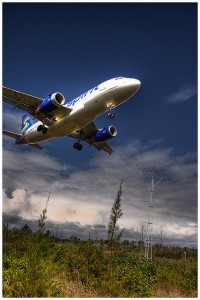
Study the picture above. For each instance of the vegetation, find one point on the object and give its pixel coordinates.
(41, 265)
(44, 266)
(114, 234)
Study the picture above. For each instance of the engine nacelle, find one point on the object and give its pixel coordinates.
(51, 103)
(104, 134)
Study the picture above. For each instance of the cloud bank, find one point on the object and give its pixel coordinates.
(82, 198)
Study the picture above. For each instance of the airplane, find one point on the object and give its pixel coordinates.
(74, 119)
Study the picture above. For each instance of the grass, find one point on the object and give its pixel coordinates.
(37, 265)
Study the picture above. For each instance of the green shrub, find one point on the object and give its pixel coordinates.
(40, 266)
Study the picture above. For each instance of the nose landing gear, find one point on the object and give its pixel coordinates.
(110, 114)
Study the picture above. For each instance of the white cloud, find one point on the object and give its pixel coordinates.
(186, 92)
(12, 121)
(31, 170)
(86, 196)
(20, 203)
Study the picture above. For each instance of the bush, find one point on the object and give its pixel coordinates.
(41, 266)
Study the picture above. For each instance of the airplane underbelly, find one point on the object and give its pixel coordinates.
(100, 103)
(36, 137)
(66, 129)
(73, 122)
(95, 107)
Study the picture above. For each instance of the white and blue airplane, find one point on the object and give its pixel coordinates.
(74, 119)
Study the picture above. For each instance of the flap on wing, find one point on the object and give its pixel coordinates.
(86, 132)
(90, 129)
(103, 146)
(20, 105)
(21, 97)
(30, 103)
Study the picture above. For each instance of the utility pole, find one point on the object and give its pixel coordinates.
(142, 233)
(161, 237)
(153, 185)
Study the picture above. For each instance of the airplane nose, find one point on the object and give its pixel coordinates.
(130, 85)
(136, 83)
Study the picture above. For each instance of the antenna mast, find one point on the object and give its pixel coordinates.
(153, 184)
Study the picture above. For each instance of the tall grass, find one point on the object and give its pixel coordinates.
(41, 266)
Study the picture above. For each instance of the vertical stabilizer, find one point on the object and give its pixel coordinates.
(26, 123)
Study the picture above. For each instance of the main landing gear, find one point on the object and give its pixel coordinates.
(78, 146)
(42, 128)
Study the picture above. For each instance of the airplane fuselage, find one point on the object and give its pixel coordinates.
(86, 108)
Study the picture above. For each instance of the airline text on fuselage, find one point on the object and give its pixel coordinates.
(71, 103)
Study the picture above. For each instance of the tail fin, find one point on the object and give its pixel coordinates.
(26, 123)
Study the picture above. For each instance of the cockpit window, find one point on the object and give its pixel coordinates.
(119, 78)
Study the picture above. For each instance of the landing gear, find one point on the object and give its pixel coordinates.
(110, 115)
(78, 146)
(42, 128)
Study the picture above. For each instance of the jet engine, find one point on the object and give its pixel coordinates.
(51, 103)
(104, 134)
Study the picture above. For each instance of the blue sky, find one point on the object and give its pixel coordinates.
(73, 47)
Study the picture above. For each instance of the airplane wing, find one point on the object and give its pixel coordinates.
(86, 135)
(30, 103)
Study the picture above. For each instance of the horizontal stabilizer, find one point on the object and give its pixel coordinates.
(11, 134)
(17, 136)
(36, 146)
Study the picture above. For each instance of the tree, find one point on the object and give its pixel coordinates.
(26, 229)
(114, 233)
(41, 223)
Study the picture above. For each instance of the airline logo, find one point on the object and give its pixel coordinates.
(26, 123)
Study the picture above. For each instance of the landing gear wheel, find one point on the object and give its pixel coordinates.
(110, 115)
(44, 130)
(40, 127)
(75, 145)
(78, 146)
